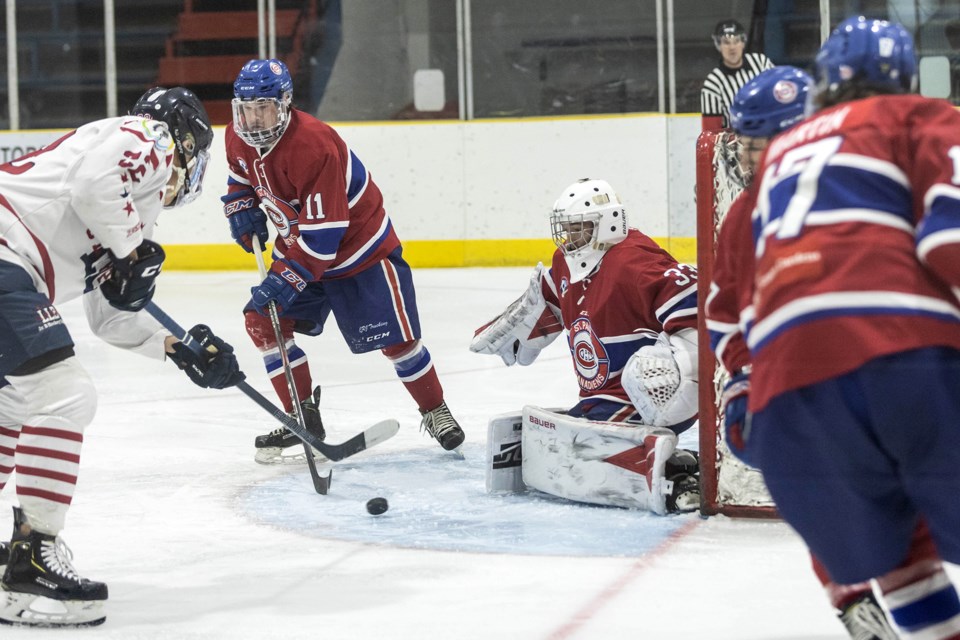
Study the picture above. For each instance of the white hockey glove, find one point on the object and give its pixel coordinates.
(525, 327)
(661, 379)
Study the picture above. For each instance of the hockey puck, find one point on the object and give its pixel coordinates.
(376, 506)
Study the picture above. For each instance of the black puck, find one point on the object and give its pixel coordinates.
(376, 506)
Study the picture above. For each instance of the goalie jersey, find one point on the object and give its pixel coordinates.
(843, 276)
(326, 208)
(637, 291)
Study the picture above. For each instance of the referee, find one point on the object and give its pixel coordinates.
(724, 81)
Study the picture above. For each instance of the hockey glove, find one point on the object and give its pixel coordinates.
(214, 366)
(284, 283)
(131, 282)
(525, 327)
(246, 219)
(736, 418)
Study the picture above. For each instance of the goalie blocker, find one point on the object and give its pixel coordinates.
(601, 463)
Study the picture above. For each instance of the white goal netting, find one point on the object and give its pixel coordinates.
(728, 486)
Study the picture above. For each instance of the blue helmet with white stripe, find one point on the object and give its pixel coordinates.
(771, 102)
(878, 53)
(262, 94)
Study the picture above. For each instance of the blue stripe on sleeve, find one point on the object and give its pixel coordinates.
(358, 177)
(324, 241)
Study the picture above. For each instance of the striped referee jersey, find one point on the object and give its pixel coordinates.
(722, 84)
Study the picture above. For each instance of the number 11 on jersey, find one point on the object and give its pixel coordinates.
(314, 208)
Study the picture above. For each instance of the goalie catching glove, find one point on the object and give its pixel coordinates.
(661, 379)
(213, 365)
(525, 327)
(132, 279)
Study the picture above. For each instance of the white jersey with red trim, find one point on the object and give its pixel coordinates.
(97, 189)
(857, 241)
(637, 291)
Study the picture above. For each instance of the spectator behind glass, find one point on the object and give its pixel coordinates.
(736, 69)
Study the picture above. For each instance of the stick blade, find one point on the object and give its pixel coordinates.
(383, 430)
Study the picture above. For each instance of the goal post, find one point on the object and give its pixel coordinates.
(727, 486)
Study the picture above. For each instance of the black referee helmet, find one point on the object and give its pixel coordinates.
(728, 28)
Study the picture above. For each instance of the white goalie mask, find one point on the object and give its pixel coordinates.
(587, 219)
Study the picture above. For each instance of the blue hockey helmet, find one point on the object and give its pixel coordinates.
(262, 94)
(189, 125)
(772, 101)
(878, 52)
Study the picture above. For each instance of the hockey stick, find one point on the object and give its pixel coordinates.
(383, 430)
(320, 483)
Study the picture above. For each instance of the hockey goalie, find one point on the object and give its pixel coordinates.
(629, 311)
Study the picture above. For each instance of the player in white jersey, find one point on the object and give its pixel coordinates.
(75, 221)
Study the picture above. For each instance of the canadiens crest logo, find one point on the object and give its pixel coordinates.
(590, 359)
(283, 214)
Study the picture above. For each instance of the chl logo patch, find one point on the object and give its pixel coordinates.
(590, 359)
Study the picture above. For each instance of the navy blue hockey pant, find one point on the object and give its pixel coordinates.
(32, 334)
(854, 462)
(374, 309)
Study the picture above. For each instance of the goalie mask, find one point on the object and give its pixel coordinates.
(587, 219)
(189, 125)
(262, 93)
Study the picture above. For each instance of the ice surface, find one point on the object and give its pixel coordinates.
(196, 541)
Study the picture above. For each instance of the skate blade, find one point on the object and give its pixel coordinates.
(293, 455)
(29, 610)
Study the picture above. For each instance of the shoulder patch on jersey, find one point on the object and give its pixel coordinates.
(157, 132)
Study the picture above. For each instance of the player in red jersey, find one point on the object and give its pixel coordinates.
(855, 338)
(767, 105)
(335, 250)
(630, 312)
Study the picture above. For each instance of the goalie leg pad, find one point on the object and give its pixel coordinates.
(596, 462)
(504, 457)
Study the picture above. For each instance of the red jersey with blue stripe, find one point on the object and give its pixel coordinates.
(637, 291)
(729, 305)
(857, 241)
(326, 208)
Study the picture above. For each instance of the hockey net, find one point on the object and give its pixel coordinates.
(727, 485)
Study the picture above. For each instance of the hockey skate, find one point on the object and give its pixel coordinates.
(440, 424)
(41, 588)
(865, 620)
(685, 495)
(683, 461)
(280, 446)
